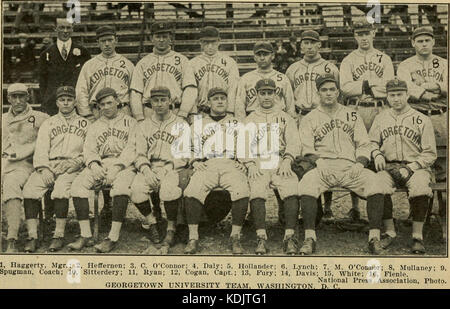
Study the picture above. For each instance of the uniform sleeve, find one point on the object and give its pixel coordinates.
(42, 149)
(292, 138)
(289, 98)
(335, 71)
(26, 150)
(307, 139)
(141, 149)
(375, 136)
(428, 144)
(196, 146)
(190, 91)
(241, 96)
(388, 67)
(349, 87)
(82, 93)
(128, 155)
(444, 84)
(90, 152)
(362, 142)
(415, 91)
(233, 83)
(137, 84)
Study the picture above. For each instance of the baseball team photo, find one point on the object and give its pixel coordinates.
(224, 128)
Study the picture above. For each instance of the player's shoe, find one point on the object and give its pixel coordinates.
(236, 246)
(153, 233)
(354, 214)
(375, 246)
(12, 246)
(31, 245)
(290, 246)
(309, 247)
(386, 241)
(56, 244)
(80, 243)
(261, 248)
(107, 245)
(417, 246)
(191, 247)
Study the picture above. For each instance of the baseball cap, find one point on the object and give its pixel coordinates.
(263, 46)
(265, 83)
(396, 85)
(325, 78)
(425, 30)
(160, 91)
(65, 90)
(209, 32)
(17, 88)
(309, 35)
(362, 25)
(160, 27)
(105, 30)
(105, 92)
(216, 90)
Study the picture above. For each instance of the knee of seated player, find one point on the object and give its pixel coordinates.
(34, 188)
(12, 185)
(259, 187)
(140, 190)
(419, 184)
(287, 186)
(62, 186)
(197, 191)
(122, 184)
(169, 189)
(378, 183)
(81, 185)
(310, 184)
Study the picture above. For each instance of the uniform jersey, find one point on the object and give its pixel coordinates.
(342, 136)
(108, 138)
(19, 134)
(302, 76)
(407, 137)
(158, 141)
(171, 70)
(246, 97)
(357, 67)
(216, 71)
(100, 72)
(289, 140)
(60, 138)
(415, 72)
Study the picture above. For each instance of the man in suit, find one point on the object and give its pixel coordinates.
(60, 65)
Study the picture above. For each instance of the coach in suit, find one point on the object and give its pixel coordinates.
(60, 65)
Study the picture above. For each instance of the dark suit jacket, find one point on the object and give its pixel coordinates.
(55, 72)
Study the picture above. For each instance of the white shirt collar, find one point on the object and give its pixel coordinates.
(67, 43)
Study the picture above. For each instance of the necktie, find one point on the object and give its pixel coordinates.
(64, 52)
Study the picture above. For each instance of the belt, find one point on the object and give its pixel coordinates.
(149, 105)
(110, 156)
(301, 111)
(59, 158)
(375, 103)
(430, 112)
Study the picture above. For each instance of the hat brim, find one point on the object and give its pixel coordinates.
(263, 49)
(397, 89)
(218, 92)
(326, 81)
(105, 34)
(66, 94)
(422, 33)
(17, 91)
(266, 88)
(310, 38)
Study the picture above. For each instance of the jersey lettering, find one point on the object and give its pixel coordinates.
(363, 68)
(213, 68)
(330, 126)
(162, 67)
(111, 71)
(63, 129)
(401, 130)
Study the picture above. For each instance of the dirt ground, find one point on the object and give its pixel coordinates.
(214, 239)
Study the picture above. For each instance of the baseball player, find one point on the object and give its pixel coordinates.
(427, 78)
(215, 165)
(213, 69)
(363, 75)
(57, 160)
(264, 175)
(163, 67)
(246, 97)
(302, 75)
(20, 127)
(108, 153)
(107, 69)
(405, 150)
(335, 138)
(158, 161)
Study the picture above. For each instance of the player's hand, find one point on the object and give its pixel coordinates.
(355, 170)
(429, 96)
(62, 167)
(111, 174)
(150, 177)
(199, 166)
(98, 172)
(47, 176)
(13, 157)
(285, 168)
(74, 166)
(253, 171)
(380, 163)
(404, 172)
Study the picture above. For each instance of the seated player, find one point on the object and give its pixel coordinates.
(263, 175)
(57, 160)
(334, 137)
(216, 165)
(158, 163)
(108, 153)
(20, 127)
(405, 150)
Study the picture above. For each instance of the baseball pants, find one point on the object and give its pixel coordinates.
(220, 173)
(269, 180)
(13, 182)
(35, 187)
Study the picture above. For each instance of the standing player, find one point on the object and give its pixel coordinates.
(262, 178)
(246, 97)
(216, 165)
(108, 69)
(213, 69)
(158, 163)
(405, 150)
(427, 78)
(57, 160)
(335, 138)
(163, 67)
(108, 153)
(20, 126)
(363, 76)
